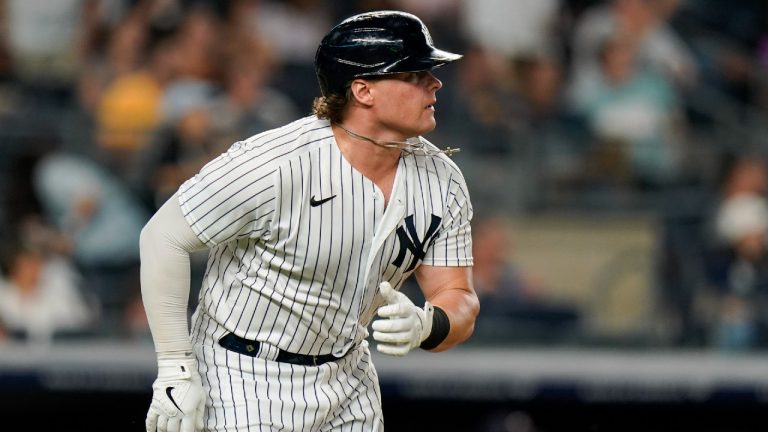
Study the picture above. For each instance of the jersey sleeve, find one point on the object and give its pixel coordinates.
(452, 246)
(232, 197)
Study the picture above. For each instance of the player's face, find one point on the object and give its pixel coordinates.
(405, 102)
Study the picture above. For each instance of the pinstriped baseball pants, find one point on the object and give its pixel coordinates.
(252, 394)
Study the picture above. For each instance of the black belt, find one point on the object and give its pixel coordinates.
(235, 343)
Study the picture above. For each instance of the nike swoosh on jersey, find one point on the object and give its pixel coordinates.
(170, 396)
(314, 203)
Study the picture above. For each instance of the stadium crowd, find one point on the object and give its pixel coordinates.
(651, 107)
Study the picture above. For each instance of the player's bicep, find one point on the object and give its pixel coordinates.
(438, 282)
(450, 289)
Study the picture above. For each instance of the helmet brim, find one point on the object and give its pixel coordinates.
(434, 59)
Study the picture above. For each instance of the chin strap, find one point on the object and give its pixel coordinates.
(414, 145)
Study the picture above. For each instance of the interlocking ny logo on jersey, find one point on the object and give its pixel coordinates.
(409, 241)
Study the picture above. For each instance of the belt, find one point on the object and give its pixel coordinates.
(235, 343)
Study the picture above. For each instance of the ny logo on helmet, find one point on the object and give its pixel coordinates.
(409, 241)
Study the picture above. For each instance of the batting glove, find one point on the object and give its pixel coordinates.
(178, 400)
(403, 325)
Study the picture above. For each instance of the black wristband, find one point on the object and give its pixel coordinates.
(441, 326)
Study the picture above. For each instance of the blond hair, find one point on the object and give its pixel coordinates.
(332, 106)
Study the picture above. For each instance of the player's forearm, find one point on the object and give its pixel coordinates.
(462, 307)
(165, 244)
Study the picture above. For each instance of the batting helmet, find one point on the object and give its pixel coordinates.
(375, 43)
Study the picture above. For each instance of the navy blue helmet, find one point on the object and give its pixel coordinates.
(374, 44)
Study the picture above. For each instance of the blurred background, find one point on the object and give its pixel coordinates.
(615, 151)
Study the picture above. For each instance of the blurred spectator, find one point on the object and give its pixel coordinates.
(87, 203)
(294, 28)
(730, 308)
(500, 284)
(198, 44)
(551, 132)
(40, 293)
(42, 39)
(540, 83)
(117, 38)
(728, 38)
(105, 55)
(130, 107)
(737, 274)
(644, 25)
(249, 104)
(200, 68)
(176, 152)
(635, 116)
(480, 114)
(513, 303)
(742, 222)
(110, 43)
(199, 59)
(746, 174)
(512, 28)
(694, 255)
(101, 220)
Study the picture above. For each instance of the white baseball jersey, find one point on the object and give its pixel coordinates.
(301, 240)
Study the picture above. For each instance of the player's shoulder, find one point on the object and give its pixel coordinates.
(303, 133)
(441, 163)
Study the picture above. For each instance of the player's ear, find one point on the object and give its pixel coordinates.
(362, 92)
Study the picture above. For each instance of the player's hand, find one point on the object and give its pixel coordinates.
(403, 325)
(178, 399)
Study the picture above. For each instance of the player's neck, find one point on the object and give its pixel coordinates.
(376, 163)
(354, 141)
(364, 121)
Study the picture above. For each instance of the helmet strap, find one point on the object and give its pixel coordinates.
(413, 145)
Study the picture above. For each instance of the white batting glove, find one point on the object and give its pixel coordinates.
(178, 399)
(403, 326)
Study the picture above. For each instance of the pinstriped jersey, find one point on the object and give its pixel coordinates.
(300, 240)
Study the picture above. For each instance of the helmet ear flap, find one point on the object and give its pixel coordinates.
(375, 43)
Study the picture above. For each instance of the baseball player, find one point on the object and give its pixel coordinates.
(312, 229)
